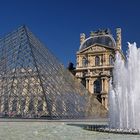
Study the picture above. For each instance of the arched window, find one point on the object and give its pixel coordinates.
(111, 60)
(97, 86)
(97, 60)
(84, 61)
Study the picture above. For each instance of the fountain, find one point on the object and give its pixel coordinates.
(125, 91)
(124, 96)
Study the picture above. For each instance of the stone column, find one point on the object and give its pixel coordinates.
(102, 85)
(87, 84)
(27, 104)
(77, 61)
(106, 59)
(106, 85)
(80, 61)
(91, 86)
(44, 104)
(102, 81)
(103, 100)
(106, 102)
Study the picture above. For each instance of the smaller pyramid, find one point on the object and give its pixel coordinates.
(34, 84)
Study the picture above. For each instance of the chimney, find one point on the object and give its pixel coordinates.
(119, 38)
(91, 34)
(82, 38)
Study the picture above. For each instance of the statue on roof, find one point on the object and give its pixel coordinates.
(100, 32)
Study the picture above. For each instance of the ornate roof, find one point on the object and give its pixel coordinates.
(101, 38)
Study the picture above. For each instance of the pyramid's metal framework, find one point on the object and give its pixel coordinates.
(33, 84)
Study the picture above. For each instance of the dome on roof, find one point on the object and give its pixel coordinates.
(106, 40)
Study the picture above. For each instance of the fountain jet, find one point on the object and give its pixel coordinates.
(124, 108)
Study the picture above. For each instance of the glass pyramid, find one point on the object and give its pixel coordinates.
(33, 83)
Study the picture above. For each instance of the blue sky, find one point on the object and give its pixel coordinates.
(58, 23)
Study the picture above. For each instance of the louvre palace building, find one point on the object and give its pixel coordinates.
(94, 64)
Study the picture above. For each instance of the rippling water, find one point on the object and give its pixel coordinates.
(54, 131)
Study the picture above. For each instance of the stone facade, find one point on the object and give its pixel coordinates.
(95, 59)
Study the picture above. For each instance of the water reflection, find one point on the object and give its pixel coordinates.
(55, 131)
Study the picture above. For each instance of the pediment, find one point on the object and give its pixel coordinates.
(94, 48)
(97, 48)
